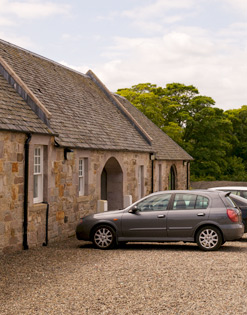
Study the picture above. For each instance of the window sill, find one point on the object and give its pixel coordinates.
(38, 207)
(83, 198)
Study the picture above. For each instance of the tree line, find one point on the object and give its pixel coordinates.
(216, 139)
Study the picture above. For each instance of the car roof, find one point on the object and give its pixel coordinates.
(194, 191)
(242, 188)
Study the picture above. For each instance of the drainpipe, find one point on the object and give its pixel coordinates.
(187, 175)
(152, 158)
(46, 225)
(26, 174)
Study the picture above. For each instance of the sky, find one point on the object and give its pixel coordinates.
(126, 42)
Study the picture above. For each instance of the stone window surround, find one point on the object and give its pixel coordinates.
(83, 176)
(45, 142)
(38, 174)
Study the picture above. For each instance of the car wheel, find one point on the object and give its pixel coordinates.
(209, 238)
(104, 237)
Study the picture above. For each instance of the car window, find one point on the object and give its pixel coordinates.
(202, 202)
(243, 194)
(189, 201)
(154, 203)
(235, 192)
(233, 202)
(184, 201)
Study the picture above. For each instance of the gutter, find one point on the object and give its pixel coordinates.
(25, 205)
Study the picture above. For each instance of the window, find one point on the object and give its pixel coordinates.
(201, 202)
(160, 177)
(189, 201)
(154, 203)
(83, 178)
(140, 181)
(172, 179)
(38, 174)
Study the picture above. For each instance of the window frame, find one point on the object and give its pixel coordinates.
(38, 174)
(83, 176)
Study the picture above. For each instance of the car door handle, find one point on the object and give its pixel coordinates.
(161, 216)
(200, 214)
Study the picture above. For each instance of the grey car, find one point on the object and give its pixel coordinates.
(207, 218)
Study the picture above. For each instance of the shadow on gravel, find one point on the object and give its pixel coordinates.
(243, 240)
(168, 247)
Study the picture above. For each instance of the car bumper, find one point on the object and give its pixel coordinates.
(82, 234)
(234, 232)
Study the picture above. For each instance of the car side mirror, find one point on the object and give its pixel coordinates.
(134, 209)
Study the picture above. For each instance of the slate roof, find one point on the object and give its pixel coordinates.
(81, 113)
(15, 114)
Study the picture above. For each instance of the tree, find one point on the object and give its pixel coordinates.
(216, 139)
(238, 117)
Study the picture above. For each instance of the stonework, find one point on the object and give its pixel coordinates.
(61, 191)
(85, 146)
(11, 190)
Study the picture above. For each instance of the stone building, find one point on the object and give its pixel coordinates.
(66, 144)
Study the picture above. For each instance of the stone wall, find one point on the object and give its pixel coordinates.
(11, 190)
(61, 191)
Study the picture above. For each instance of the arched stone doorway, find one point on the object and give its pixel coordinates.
(172, 178)
(112, 184)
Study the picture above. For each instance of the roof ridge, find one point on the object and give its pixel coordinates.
(42, 57)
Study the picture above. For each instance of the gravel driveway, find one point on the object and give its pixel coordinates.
(72, 277)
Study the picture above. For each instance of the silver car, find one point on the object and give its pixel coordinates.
(207, 218)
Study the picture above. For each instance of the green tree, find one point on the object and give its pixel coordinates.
(238, 118)
(206, 138)
(216, 139)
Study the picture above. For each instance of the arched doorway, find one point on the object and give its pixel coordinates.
(172, 179)
(112, 184)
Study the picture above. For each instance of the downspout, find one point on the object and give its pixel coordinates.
(187, 175)
(46, 225)
(152, 158)
(25, 206)
(152, 177)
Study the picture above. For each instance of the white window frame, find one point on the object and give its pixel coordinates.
(38, 174)
(81, 172)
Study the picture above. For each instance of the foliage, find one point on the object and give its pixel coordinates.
(217, 140)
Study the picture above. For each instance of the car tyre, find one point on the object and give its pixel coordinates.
(209, 238)
(104, 237)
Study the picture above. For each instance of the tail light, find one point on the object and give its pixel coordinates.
(232, 215)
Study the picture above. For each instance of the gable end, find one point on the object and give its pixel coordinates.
(25, 93)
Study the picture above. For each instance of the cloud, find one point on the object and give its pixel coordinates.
(6, 22)
(239, 5)
(187, 55)
(22, 41)
(157, 9)
(33, 9)
(156, 16)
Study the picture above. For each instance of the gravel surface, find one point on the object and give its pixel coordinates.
(72, 277)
